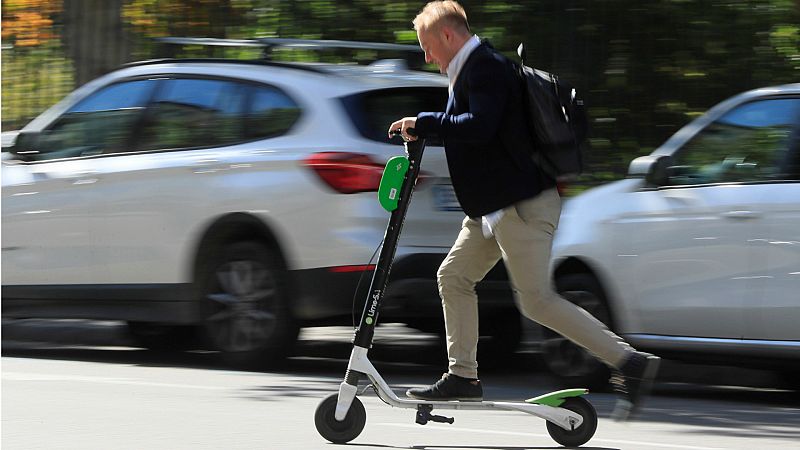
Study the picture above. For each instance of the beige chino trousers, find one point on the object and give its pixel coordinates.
(523, 238)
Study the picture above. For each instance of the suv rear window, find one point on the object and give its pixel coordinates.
(372, 112)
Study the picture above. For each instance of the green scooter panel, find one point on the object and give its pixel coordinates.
(392, 180)
(558, 397)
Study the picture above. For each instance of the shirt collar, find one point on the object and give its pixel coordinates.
(454, 68)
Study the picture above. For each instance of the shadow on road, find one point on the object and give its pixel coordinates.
(725, 401)
(467, 447)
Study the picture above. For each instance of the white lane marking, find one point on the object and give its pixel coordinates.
(515, 433)
(26, 376)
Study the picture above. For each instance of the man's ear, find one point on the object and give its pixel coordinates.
(446, 34)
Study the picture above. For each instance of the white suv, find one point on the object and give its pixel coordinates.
(234, 195)
(696, 255)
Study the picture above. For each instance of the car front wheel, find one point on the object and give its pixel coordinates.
(248, 317)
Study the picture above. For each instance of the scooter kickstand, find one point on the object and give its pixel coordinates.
(424, 416)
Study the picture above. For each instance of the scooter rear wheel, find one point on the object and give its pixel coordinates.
(334, 430)
(580, 435)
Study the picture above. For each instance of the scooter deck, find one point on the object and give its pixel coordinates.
(564, 418)
(555, 398)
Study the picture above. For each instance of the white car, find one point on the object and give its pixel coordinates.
(237, 197)
(696, 255)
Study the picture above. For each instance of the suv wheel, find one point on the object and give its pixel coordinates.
(249, 320)
(570, 362)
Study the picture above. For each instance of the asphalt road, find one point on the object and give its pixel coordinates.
(75, 385)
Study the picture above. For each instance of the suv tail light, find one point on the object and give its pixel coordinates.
(347, 269)
(347, 173)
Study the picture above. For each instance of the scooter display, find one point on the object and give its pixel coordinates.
(341, 417)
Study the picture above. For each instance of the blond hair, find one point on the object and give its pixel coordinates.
(437, 13)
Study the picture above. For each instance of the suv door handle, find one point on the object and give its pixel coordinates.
(742, 215)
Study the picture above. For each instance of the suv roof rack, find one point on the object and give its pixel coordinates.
(255, 62)
(269, 44)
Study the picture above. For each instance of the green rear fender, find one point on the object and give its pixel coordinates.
(558, 397)
(392, 180)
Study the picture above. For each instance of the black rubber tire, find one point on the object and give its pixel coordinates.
(573, 365)
(162, 337)
(580, 435)
(335, 431)
(248, 316)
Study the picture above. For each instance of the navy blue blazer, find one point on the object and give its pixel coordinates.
(485, 136)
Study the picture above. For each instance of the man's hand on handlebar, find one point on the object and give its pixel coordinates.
(405, 128)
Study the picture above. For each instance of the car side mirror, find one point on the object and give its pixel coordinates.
(7, 140)
(653, 168)
(26, 144)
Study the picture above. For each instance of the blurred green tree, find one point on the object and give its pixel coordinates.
(35, 71)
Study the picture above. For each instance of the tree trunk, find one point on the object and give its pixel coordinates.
(95, 37)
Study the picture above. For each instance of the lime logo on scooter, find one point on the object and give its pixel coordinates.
(376, 295)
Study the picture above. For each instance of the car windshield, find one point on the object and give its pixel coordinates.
(372, 112)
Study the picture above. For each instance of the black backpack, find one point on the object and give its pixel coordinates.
(557, 121)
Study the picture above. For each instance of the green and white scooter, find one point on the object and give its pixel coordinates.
(340, 417)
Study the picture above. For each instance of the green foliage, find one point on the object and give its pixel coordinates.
(33, 79)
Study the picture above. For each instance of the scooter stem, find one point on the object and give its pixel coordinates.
(369, 319)
(366, 328)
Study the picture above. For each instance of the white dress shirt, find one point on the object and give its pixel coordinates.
(454, 68)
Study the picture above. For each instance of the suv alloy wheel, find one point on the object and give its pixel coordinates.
(245, 292)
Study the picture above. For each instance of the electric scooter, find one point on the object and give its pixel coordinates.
(340, 417)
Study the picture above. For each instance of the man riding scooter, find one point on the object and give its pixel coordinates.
(512, 210)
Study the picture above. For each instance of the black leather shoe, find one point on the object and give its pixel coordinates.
(450, 387)
(632, 382)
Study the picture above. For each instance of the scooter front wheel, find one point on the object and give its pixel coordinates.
(334, 430)
(580, 435)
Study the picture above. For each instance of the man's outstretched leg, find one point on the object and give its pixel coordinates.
(525, 238)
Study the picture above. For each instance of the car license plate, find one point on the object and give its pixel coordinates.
(444, 198)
